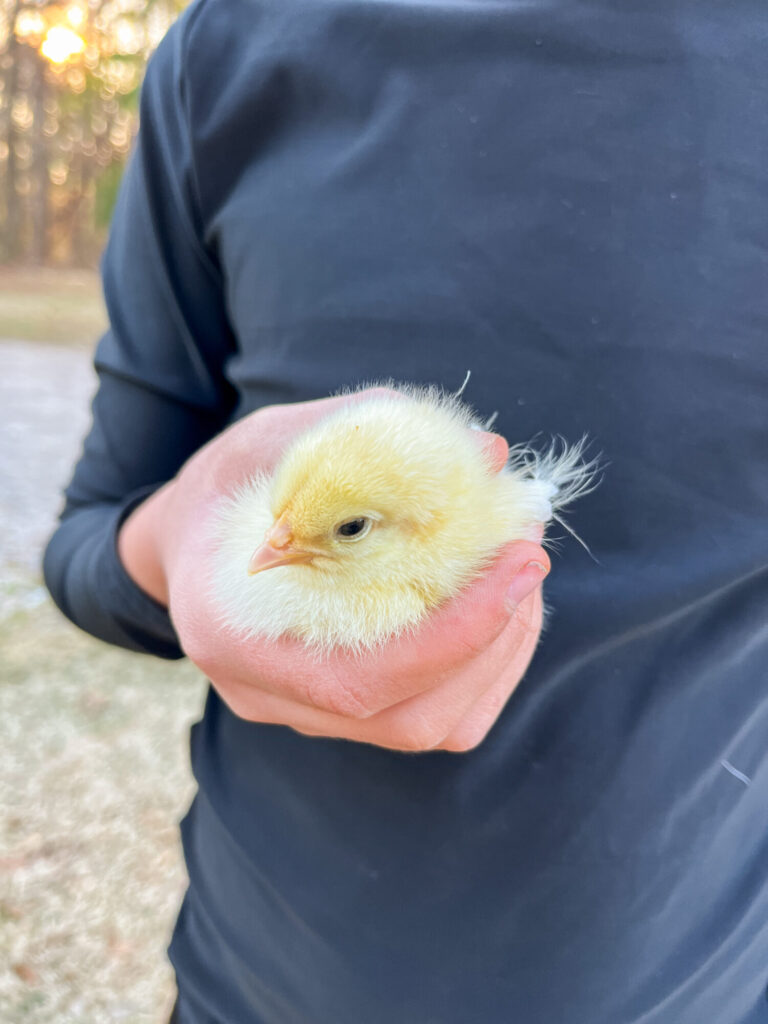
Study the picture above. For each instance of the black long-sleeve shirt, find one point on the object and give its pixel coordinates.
(571, 200)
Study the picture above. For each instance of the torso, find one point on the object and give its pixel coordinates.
(569, 200)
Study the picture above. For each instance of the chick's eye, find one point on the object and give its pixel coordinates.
(353, 529)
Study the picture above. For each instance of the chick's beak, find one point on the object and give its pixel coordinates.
(278, 549)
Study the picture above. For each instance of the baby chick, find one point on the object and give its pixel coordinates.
(375, 516)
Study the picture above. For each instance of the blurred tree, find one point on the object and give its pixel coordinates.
(70, 73)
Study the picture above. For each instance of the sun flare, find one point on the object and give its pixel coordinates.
(61, 44)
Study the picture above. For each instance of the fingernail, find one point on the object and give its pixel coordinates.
(525, 582)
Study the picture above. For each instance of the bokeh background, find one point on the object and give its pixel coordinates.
(93, 741)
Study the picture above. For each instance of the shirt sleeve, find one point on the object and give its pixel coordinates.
(162, 391)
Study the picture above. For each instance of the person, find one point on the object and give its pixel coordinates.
(570, 202)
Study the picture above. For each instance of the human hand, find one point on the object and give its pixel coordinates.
(440, 688)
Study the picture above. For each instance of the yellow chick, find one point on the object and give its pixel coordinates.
(375, 516)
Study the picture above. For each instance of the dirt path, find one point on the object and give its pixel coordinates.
(45, 393)
(93, 760)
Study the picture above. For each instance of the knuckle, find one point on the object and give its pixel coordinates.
(466, 738)
(236, 706)
(199, 653)
(307, 730)
(245, 702)
(527, 623)
(472, 642)
(332, 694)
(472, 645)
(419, 736)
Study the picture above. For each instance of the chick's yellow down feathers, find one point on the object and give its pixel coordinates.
(375, 516)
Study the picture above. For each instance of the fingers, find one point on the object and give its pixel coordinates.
(459, 631)
(454, 715)
(480, 718)
(462, 709)
(453, 637)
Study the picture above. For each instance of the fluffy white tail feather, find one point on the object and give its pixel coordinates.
(563, 466)
(565, 473)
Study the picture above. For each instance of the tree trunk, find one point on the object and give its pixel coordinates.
(39, 249)
(12, 220)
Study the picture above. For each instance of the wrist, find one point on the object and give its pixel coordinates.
(140, 545)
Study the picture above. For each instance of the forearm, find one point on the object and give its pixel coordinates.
(162, 390)
(88, 582)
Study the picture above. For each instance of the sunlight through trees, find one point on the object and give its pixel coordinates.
(70, 74)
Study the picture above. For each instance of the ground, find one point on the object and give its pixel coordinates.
(94, 773)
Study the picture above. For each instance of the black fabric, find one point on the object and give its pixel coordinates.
(569, 199)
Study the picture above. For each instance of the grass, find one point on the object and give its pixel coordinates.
(42, 304)
(93, 779)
